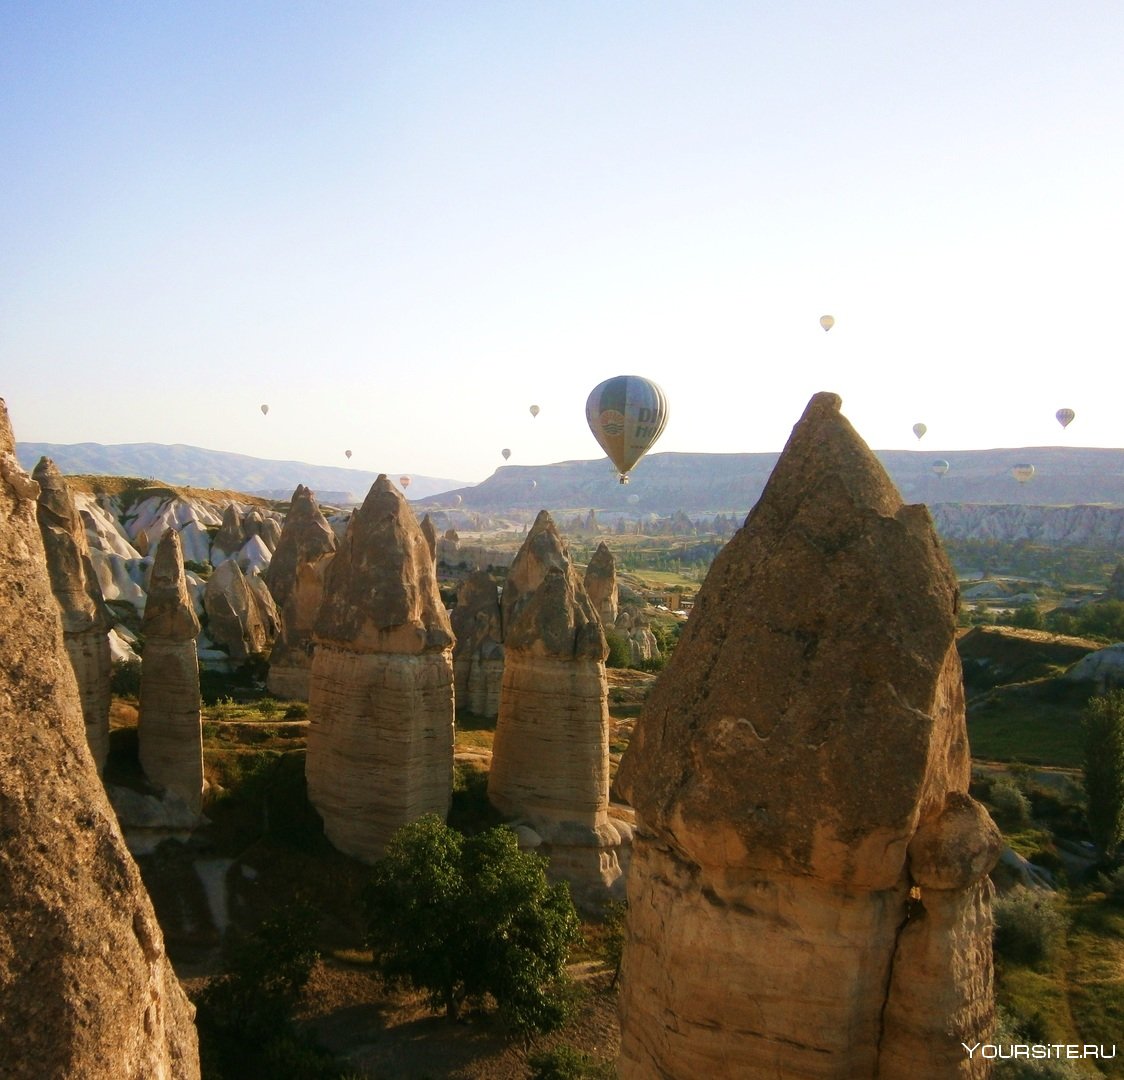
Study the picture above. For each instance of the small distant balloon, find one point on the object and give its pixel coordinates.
(626, 414)
(404, 481)
(534, 484)
(940, 467)
(827, 322)
(506, 453)
(265, 410)
(347, 454)
(535, 410)
(919, 430)
(458, 499)
(633, 499)
(1065, 417)
(1022, 473)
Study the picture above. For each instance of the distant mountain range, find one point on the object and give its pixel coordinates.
(661, 483)
(195, 467)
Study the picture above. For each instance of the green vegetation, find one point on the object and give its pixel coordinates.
(463, 918)
(1102, 621)
(567, 1063)
(1104, 771)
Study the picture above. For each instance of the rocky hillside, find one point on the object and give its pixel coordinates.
(194, 466)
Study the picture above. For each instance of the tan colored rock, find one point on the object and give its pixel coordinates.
(429, 531)
(230, 537)
(169, 729)
(380, 740)
(601, 584)
(550, 755)
(808, 893)
(86, 989)
(234, 612)
(85, 623)
(543, 548)
(478, 654)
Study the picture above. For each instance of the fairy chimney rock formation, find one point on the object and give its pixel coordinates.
(85, 986)
(235, 618)
(296, 579)
(85, 624)
(169, 729)
(478, 653)
(808, 894)
(550, 756)
(380, 740)
(429, 531)
(231, 535)
(601, 584)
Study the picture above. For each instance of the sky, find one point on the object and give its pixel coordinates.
(402, 224)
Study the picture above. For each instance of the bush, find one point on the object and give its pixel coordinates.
(463, 918)
(1011, 806)
(566, 1063)
(126, 678)
(620, 654)
(1104, 771)
(1113, 886)
(1029, 928)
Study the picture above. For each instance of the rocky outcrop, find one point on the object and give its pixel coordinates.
(429, 531)
(550, 755)
(478, 653)
(808, 894)
(235, 617)
(380, 740)
(643, 647)
(85, 624)
(231, 535)
(296, 579)
(86, 989)
(601, 585)
(169, 729)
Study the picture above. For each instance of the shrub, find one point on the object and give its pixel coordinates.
(463, 918)
(1113, 886)
(620, 654)
(1011, 806)
(567, 1063)
(126, 678)
(1028, 926)
(1104, 771)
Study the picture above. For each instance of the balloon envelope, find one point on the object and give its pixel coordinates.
(626, 414)
(265, 410)
(535, 410)
(827, 321)
(347, 454)
(919, 430)
(404, 481)
(506, 453)
(1022, 473)
(940, 466)
(1065, 417)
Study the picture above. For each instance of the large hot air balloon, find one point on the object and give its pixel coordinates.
(919, 430)
(1065, 417)
(347, 454)
(626, 414)
(827, 322)
(404, 481)
(940, 467)
(535, 410)
(506, 453)
(265, 410)
(1022, 473)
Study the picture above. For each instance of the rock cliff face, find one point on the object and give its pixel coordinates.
(601, 584)
(234, 612)
(170, 729)
(808, 892)
(478, 654)
(380, 741)
(85, 625)
(550, 756)
(86, 989)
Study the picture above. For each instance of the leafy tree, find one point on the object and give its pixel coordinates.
(620, 655)
(1104, 771)
(465, 917)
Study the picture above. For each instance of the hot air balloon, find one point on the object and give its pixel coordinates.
(626, 414)
(919, 430)
(827, 322)
(940, 467)
(1022, 473)
(347, 454)
(506, 453)
(633, 500)
(534, 484)
(535, 410)
(457, 500)
(404, 481)
(1065, 417)
(265, 410)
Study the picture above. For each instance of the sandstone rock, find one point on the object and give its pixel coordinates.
(808, 892)
(1103, 669)
(601, 585)
(429, 531)
(542, 549)
(550, 755)
(234, 614)
(305, 537)
(380, 740)
(169, 730)
(478, 654)
(231, 535)
(85, 622)
(86, 989)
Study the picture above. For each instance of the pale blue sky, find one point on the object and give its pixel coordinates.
(403, 223)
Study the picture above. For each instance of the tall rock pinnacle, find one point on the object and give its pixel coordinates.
(85, 986)
(800, 773)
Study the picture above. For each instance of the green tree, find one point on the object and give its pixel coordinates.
(464, 917)
(1104, 771)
